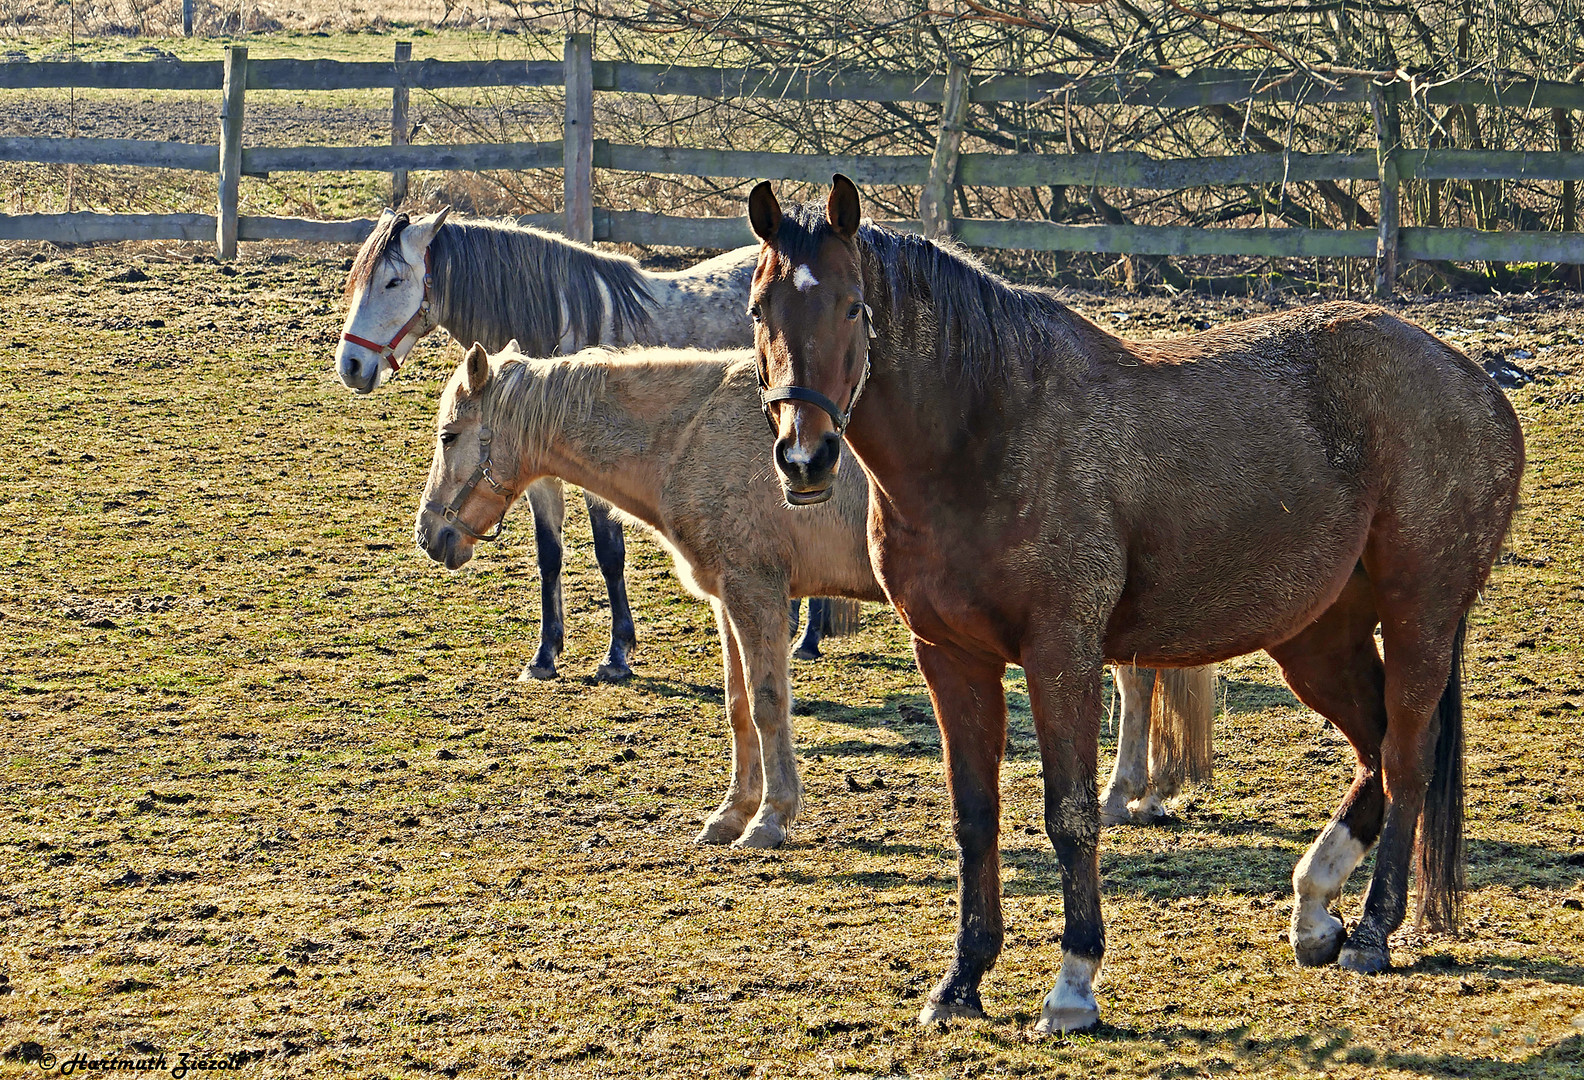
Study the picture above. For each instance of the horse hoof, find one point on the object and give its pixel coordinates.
(1365, 961)
(1320, 950)
(719, 830)
(761, 836)
(612, 671)
(938, 1012)
(1113, 810)
(806, 652)
(1060, 1021)
(536, 672)
(1148, 810)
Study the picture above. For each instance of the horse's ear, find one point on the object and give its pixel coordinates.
(513, 346)
(475, 370)
(842, 210)
(764, 212)
(420, 234)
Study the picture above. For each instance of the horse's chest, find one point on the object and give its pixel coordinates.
(945, 590)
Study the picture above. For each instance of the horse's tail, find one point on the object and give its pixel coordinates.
(1439, 845)
(1182, 715)
(842, 617)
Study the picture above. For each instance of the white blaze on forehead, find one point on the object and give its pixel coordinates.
(804, 278)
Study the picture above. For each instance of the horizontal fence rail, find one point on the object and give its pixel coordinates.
(1387, 165)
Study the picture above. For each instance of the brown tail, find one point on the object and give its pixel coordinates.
(842, 617)
(1439, 845)
(1182, 714)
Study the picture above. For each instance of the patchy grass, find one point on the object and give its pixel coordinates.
(270, 785)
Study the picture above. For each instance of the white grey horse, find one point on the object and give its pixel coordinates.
(493, 282)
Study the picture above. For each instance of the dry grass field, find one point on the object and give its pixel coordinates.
(270, 788)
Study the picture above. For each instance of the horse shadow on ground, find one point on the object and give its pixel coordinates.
(1318, 1051)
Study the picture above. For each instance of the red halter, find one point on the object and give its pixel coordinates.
(388, 352)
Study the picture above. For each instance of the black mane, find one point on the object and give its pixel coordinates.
(984, 326)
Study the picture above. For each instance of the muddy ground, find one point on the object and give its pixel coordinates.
(271, 788)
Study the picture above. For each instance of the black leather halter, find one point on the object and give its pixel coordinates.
(839, 417)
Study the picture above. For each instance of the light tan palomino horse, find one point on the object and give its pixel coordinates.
(673, 439)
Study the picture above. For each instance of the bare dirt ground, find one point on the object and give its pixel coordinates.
(271, 789)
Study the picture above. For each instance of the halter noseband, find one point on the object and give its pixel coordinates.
(839, 417)
(452, 511)
(388, 352)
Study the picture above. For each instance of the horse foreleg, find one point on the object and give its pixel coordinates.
(1064, 682)
(548, 502)
(758, 617)
(747, 779)
(1128, 796)
(610, 551)
(970, 707)
(809, 647)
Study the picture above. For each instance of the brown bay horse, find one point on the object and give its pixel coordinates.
(1044, 493)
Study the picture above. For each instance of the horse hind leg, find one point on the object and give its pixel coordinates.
(548, 502)
(1127, 797)
(1334, 668)
(809, 647)
(1422, 769)
(610, 551)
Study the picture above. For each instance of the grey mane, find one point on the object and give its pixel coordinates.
(495, 281)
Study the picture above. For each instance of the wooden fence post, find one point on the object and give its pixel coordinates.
(399, 120)
(935, 199)
(235, 86)
(187, 17)
(578, 163)
(1386, 168)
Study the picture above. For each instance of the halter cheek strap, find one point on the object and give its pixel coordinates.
(451, 512)
(387, 352)
(839, 417)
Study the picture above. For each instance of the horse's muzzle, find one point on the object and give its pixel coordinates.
(357, 375)
(446, 547)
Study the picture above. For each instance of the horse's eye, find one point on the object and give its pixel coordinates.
(393, 283)
(755, 313)
(854, 310)
(447, 438)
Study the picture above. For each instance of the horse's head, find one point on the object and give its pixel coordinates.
(469, 489)
(811, 332)
(390, 309)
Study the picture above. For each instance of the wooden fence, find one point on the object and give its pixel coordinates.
(579, 153)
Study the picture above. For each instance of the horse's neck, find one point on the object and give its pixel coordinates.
(622, 449)
(535, 309)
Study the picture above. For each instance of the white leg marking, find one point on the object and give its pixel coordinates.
(1317, 882)
(1071, 1005)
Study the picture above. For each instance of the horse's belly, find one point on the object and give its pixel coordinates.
(1225, 599)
